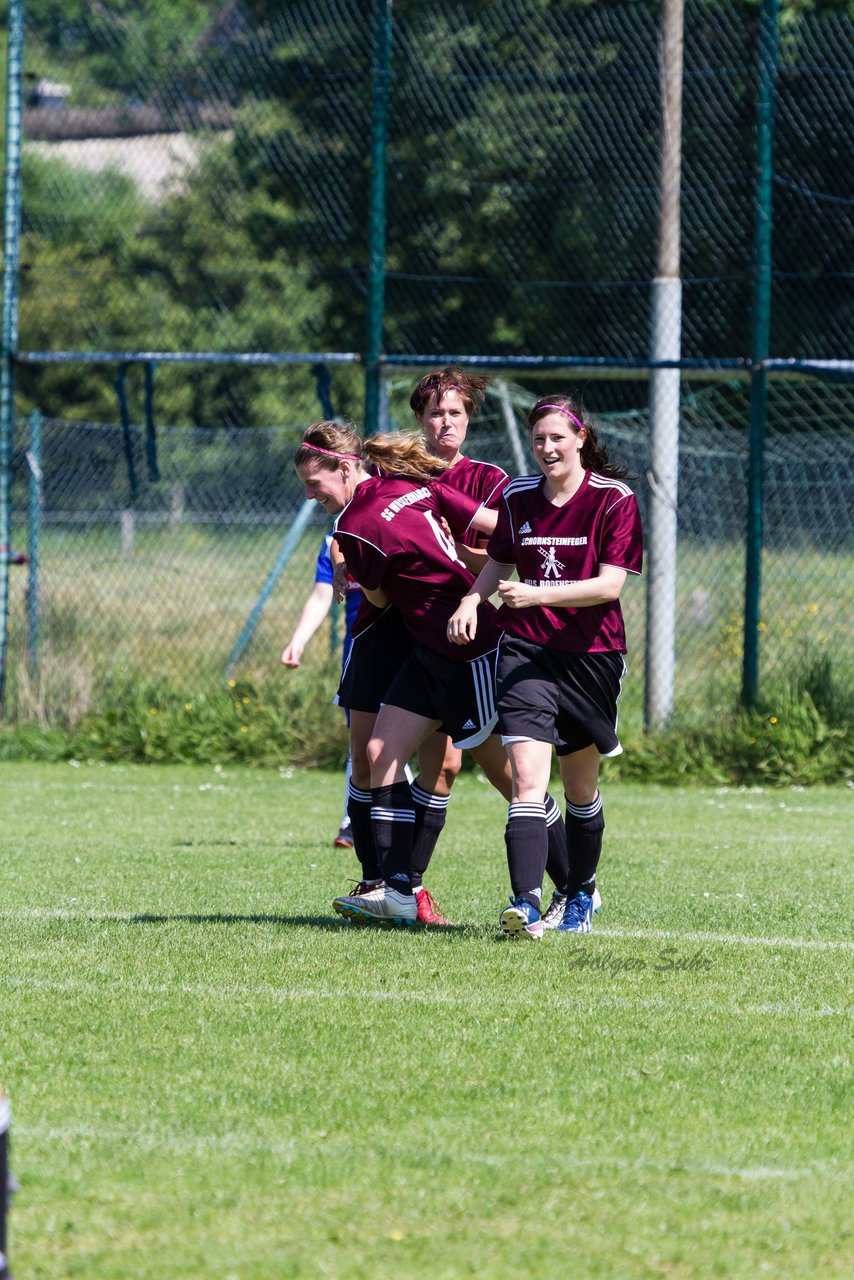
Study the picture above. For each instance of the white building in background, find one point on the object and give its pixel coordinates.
(157, 162)
(48, 93)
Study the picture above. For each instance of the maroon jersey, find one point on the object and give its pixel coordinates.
(480, 480)
(555, 546)
(392, 539)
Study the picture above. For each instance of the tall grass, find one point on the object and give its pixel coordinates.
(130, 639)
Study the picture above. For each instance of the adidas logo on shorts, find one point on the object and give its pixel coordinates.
(526, 527)
(469, 724)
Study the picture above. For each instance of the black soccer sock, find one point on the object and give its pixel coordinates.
(584, 826)
(557, 862)
(359, 811)
(526, 838)
(430, 814)
(393, 819)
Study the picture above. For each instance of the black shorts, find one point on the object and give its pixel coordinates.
(460, 695)
(569, 699)
(374, 660)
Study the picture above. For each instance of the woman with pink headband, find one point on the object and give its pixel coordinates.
(397, 547)
(443, 402)
(329, 461)
(573, 535)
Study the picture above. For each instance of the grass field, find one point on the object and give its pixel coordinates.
(210, 1075)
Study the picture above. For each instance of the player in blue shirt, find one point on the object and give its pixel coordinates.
(314, 612)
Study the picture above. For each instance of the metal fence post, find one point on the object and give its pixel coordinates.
(292, 541)
(9, 323)
(665, 386)
(511, 428)
(761, 337)
(377, 215)
(36, 500)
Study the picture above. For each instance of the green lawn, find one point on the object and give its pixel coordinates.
(211, 1075)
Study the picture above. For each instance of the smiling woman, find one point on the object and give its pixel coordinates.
(397, 531)
(330, 483)
(572, 536)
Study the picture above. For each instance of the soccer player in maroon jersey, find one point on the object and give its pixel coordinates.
(380, 644)
(392, 532)
(443, 403)
(573, 535)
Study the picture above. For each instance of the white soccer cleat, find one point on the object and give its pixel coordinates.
(381, 905)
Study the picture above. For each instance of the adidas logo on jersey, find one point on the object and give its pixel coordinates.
(526, 527)
(469, 724)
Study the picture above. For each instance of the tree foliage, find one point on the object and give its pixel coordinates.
(521, 188)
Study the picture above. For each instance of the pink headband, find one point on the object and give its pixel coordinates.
(559, 408)
(330, 453)
(451, 386)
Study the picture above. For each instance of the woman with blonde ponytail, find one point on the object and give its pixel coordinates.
(333, 463)
(393, 531)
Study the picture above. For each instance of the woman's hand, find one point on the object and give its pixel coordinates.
(517, 595)
(291, 655)
(462, 627)
(339, 582)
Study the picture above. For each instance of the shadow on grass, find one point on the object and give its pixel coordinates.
(222, 917)
(332, 923)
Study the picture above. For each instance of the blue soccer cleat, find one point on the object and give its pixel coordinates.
(522, 920)
(577, 914)
(553, 913)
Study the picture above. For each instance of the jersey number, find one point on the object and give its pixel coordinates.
(442, 538)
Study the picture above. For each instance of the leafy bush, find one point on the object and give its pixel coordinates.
(803, 738)
(795, 743)
(154, 721)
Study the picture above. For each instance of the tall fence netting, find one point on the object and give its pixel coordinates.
(165, 585)
(196, 178)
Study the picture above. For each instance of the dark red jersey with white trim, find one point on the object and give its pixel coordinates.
(481, 480)
(392, 538)
(554, 546)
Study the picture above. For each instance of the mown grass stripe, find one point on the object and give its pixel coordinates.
(228, 991)
(732, 939)
(641, 935)
(292, 1150)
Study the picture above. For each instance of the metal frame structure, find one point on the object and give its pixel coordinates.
(664, 367)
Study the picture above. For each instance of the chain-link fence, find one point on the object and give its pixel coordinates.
(165, 585)
(197, 179)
